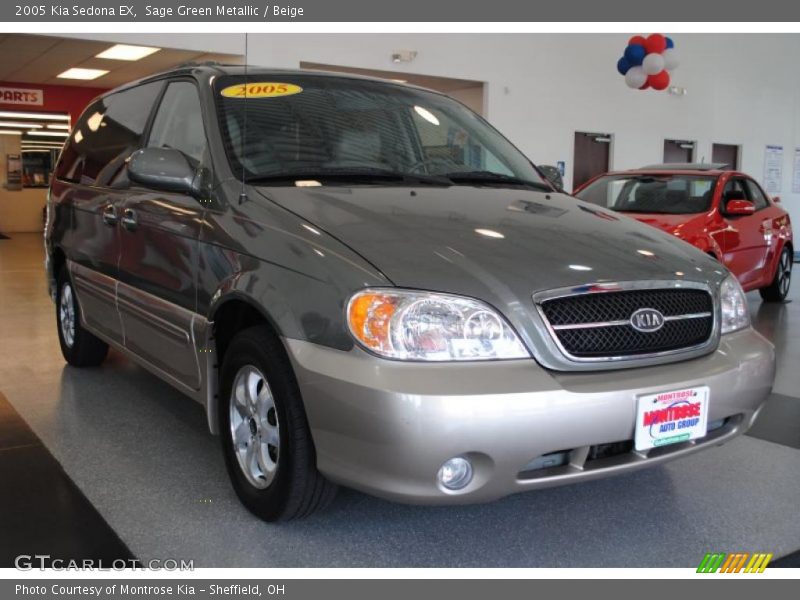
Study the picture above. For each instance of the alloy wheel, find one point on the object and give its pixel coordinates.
(255, 430)
(66, 315)
(785, 273)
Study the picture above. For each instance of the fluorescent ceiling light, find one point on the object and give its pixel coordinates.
(79, 73)
(61, 134)
(54, 126)
(29, 150)
(8, 114)
(9, 132)
(126, 52)
(18, 124)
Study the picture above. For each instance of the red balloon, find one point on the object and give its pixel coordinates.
(659, 81)
(637, 39)
(645, 86)
(655, 43)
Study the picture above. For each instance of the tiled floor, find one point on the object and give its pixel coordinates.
(144, 468)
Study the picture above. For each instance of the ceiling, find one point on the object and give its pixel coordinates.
(39, 59)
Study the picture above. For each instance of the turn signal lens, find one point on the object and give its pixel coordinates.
(410, 325)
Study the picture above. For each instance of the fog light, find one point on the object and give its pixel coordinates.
(455, 473)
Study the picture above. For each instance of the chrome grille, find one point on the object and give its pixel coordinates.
(598, 325)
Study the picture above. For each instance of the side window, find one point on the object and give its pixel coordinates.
(734, 190)
(179, 123)
(755, 195)
(106, 135)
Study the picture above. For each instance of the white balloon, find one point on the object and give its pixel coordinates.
(653, 63)
(635, 77)
(671, 58)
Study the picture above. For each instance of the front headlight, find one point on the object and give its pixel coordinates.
(427, 326)
(733, 306)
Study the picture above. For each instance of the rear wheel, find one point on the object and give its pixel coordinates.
(779, 288)
(266, 440)
(79, 347)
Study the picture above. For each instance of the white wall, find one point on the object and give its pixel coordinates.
(742, 89)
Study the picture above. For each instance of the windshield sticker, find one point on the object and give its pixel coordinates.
(261, 89)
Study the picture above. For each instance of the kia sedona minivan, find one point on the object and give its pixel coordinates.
(365, 284)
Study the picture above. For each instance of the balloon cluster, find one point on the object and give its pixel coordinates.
(647, 62)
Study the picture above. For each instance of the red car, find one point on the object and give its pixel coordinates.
(724, 213)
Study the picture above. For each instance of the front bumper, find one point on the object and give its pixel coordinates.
(385, 427)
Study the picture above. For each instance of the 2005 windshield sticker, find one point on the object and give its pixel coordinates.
(671, 417)
(261, 89)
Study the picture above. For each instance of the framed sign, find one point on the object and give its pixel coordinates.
(773, 169)
(13, 172)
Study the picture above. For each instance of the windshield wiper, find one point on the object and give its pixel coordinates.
(492, 178)
(350, 175)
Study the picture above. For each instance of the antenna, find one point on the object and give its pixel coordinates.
(243, 192)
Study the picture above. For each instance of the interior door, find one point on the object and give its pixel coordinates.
(677, 151)
(744, 239)
(727, 154)
(160, 231)
(592, 155)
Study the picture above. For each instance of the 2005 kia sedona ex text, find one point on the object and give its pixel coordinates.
(365, 284)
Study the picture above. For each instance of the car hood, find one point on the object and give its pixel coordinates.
(492, 243)
(669, 223)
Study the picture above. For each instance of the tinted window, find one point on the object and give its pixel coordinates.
(755, 195)
(319, 126)
(106, 134)
(179, 122)
(661, 193)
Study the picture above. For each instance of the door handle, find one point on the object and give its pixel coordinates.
(110, 215)
(129, 219)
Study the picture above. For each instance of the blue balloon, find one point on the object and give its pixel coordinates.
(635, 54)
(670, 43)
(623, 65)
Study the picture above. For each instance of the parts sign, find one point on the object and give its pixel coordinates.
(30, 97)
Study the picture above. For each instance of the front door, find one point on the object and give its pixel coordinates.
(158, 267)
(745, 245)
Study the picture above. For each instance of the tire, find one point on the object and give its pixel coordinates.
(778, 290)
(79, 347)
(272, 466)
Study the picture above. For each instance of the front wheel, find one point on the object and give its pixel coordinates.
(779, 288)
(266, 440)
(79, 347)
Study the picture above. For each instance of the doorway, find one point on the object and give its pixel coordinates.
(727, 154)
(592, 156)
(678, 151)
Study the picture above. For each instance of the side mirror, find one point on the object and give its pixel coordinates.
(776, 199)
(738, 208)
(553, 175)
(163, 169)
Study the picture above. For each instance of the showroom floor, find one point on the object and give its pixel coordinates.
(142, 473)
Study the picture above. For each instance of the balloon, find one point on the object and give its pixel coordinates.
(659, 81)
(635, 78)
(653, 63)
(655, 43)
(635, 54)
(645, 86)
(637, 40)
(623, 65)
(671, 59)
(670, 43)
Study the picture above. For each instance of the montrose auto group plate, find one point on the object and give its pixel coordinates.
(671, 417)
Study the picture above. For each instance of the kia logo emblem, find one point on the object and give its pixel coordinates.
(647, 320)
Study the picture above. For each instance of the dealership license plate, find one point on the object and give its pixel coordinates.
(671, 417)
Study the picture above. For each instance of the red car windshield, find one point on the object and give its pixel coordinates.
(656, 193)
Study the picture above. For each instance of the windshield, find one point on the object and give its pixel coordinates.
(308, 130)
(657, 193)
